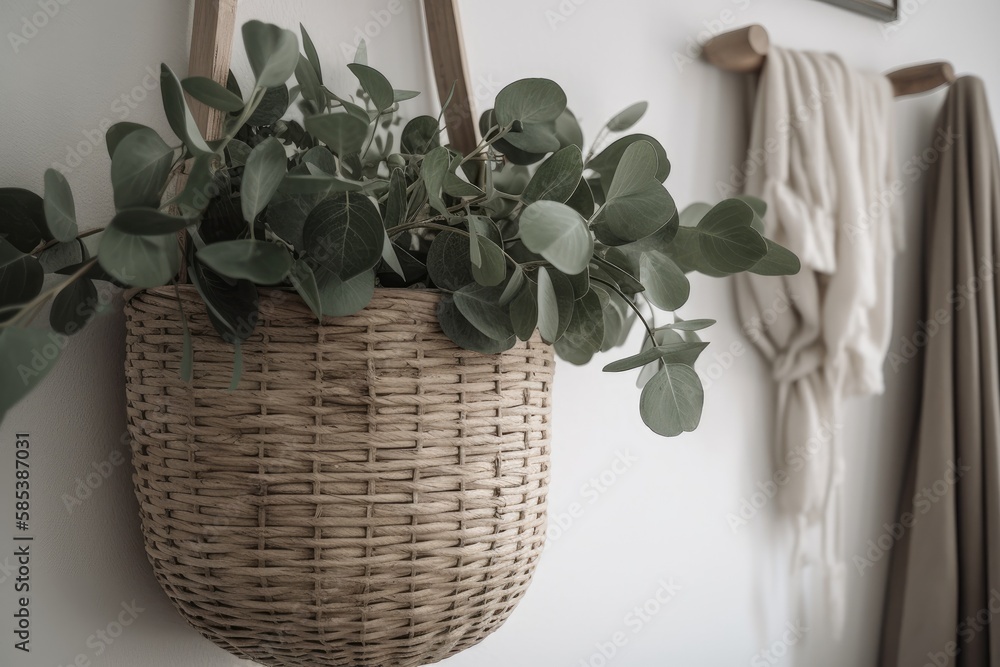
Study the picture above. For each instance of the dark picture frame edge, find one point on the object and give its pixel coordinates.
(872, 8)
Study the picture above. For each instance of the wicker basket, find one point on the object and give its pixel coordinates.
(370, 495)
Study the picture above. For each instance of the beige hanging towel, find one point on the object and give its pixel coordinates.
(821, 156)
(943, 603)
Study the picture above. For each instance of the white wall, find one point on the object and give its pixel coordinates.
(664, 517)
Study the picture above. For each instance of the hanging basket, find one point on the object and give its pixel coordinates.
(370, 495)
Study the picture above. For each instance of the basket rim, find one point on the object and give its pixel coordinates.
(168, 291)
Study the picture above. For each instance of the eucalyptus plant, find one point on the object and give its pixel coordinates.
(332, 195)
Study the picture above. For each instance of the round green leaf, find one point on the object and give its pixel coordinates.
(557, 178)
(727, 240)
(627, 117)
(462, 332)
(74, 306)
(145, 221)
(178, 114)
(213, 94)
(262, 262)
(480, 307)
(340, 298)
(117, 132)
(557, 233)
(421, 135)
(666, 285)
(529, 101)
(555, 304)
(264, 171)
(18, 376)
(342, 132)
(23, 215)
(60, 212)
(21, 277)
(606, 162)
(273, 106)
(375, 84)
(344, 234)
(524, 313)
(138, 261)
(585, 334)
(671, 402)
(449, 261)
(272, 52)
(139, 169)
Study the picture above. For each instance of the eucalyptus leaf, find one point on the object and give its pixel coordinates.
(138, 261)
(524, 313)
(513, 286)
(117, 132)
(779, 261)
(73, 307)
(666, 285)
(375, 84)
(555, 304)
(464, 333)
(213, 94)
(272, 51)
(344, 235)
(677, 353)
(479, 306)
(273, 106)
(178, 114)
(342, 132)
(304, 281)
(146, 221)
(421, 135)
(449, 262)
(265, 169)
(557, 178)
(26, 357)
(340, 298)
(529, 101)
(262, 262)
(140, 168)
(558, 234)
(21, 277)
(22, 213)
(585, 334)
(311, 54)
(726, 238)
(627, 117)
(232, 305)
(60, 211)
(606, 162)
(671, 402)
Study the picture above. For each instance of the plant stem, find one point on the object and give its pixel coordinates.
(53, 242)
(649, 330)
(30, 309)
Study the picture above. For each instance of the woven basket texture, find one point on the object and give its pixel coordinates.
(370, 494)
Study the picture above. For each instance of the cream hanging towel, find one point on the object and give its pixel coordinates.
(821, 157)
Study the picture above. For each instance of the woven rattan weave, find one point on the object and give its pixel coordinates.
(370, 494)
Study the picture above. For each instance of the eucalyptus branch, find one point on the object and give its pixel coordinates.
(649, 330)
(31, 308)
(49, 244)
